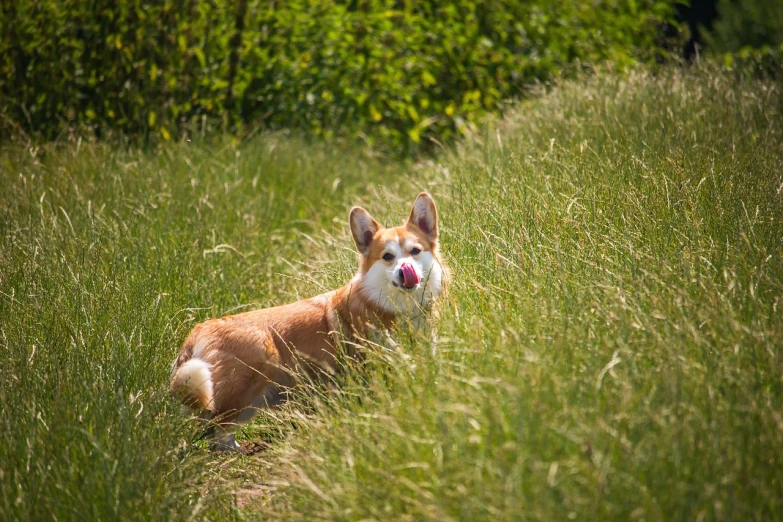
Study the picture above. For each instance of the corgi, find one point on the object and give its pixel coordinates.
(230, 368)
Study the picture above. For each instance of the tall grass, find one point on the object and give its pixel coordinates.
(610, 347)
(108, 258)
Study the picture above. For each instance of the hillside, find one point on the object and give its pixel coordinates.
(610, 349)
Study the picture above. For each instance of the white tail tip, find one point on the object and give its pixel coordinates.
(192, 382)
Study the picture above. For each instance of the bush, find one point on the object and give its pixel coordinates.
(755, 24)
(401, 72)
(748, 38)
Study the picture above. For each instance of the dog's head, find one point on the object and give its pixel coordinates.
(400, 267)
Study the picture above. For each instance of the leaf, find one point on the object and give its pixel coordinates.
(375, 114)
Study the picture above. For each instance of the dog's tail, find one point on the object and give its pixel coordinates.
(192, 383)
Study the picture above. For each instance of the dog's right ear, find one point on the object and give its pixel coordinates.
(363, 229)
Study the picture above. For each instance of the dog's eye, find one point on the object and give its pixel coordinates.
(388, 257)
(415, 252)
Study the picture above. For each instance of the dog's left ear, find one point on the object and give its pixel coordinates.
(425, 216)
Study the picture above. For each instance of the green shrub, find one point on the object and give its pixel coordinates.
(401, 72)
(755, 24)
(748, 38)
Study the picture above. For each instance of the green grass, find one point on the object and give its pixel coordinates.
(610, 348)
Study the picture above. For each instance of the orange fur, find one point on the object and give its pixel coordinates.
(230, 367)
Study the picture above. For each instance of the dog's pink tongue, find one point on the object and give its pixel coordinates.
(410, 279)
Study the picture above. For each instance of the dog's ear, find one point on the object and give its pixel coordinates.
(363, 229)
(425, 216)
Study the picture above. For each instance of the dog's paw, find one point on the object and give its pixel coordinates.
(226, 443)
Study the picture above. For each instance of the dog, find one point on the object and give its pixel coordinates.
(230, 368)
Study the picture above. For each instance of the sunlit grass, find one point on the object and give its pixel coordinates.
(108, 258)
(609, 349)
(612, 344)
